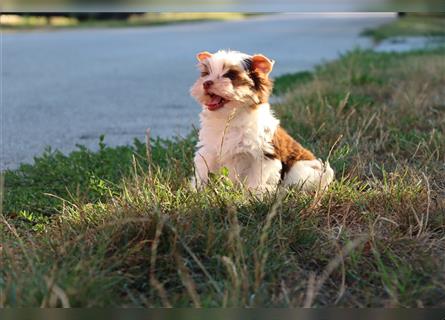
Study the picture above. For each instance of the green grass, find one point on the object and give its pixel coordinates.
(124, 229)
(54, 179)
(411, 25)
(286, 82)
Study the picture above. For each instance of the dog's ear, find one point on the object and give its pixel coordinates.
(203, 55)
(262, 64)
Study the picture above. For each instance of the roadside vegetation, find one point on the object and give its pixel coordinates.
(122, 227)
(54, 22)
(411, 24)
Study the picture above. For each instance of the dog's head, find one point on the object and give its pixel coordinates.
(232, 79)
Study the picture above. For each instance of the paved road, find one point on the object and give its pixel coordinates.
(65, 88)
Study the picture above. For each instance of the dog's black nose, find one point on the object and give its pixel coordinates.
(207, 84)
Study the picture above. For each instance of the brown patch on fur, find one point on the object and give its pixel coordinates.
(238, 79)
(287, 150)
(259, 82)
(262, 85)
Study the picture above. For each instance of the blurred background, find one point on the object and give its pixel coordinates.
(69, 78)
(223, 5)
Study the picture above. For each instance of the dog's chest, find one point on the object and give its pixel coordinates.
(235, 141)
(248, 134)
(242, 140)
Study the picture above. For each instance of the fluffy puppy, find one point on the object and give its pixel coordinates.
(240, 132)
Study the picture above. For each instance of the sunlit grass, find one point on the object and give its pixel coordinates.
(15, 21)
(130, 231)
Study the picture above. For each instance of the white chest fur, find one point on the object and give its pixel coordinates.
(238, 139)
(238, 131)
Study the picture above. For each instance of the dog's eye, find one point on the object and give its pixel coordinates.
(204, 74)
(231, 75)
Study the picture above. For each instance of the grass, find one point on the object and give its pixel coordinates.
(82, 176)
(288, 81)
(26, 23)
(408, 26)
(123, 228)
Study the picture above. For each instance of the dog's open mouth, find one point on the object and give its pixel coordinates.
(216, 102)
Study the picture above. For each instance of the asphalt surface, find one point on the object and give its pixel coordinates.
(63, 88)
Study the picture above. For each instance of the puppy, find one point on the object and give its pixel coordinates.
(240, 132)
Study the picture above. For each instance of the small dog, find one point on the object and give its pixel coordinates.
(240, 132)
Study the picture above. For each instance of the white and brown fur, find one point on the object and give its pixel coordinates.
(244, 135)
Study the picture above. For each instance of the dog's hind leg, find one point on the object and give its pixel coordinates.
(309, 175)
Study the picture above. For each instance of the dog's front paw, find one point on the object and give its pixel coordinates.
(193, 184)
(197, 184)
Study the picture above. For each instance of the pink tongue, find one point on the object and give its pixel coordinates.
(215, 100)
